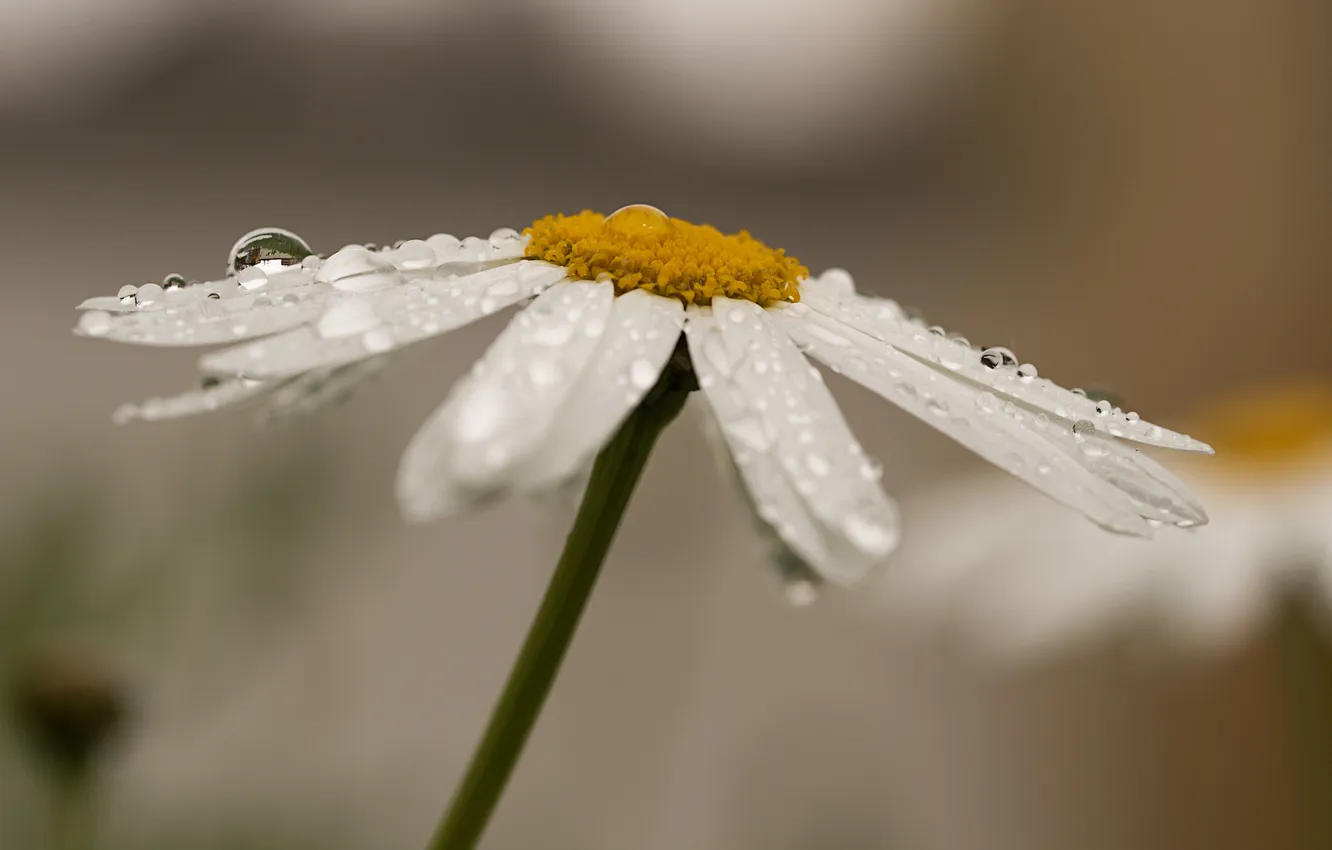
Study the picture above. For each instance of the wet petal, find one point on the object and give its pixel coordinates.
(318, 389)
(806, 473)
(883, 321)
(498, 415)
(194, 402)
(208, 321)
(399, 317)
(197, 293)
(639, 340)
(1155, 491)
(974, 417)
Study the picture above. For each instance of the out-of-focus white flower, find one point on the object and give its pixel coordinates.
(767, 80)
(610, 299)
(989, 565)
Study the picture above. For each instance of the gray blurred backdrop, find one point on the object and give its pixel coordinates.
(1130, 195)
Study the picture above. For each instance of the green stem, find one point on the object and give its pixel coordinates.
(614, 475)
(72, 827)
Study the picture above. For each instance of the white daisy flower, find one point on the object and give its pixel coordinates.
(1016, 594)
(628, 314)
(608, 300)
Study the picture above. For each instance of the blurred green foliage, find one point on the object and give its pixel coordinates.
(89, 573)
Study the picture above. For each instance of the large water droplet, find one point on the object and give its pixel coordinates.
(447, 248)
(414, 254)
(354, 269)
(506, 240)
(148, 294)
(173, 282)
(1083, 427)
(126, 295)
(269, 248)
(995, 356)
(640, 220)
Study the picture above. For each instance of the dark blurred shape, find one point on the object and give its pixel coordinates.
(71, 707)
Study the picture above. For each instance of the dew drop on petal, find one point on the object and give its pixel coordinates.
(1026, 372)
(642, 374)
(355, 269)
(252, 278)
(505, 239)
(95, 323)
(173, 282)
(269, 248)
(543, 373)
(447, 248)
(1083, 427)
(148, 294)
(818, 465)
(995, 356)
(1104, 407)
(414, 254)
(126, 295)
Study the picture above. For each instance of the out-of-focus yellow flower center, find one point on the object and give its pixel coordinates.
(1274, 430)
(640, 247)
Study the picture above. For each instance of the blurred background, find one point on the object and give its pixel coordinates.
(233, 634)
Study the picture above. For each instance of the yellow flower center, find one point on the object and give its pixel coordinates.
(640, 247)
(1276, 429)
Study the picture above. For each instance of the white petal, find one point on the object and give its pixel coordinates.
(210, 321)
(499, 414)
(807, 475)
(968, 414)
(293, 278)
(406, 314)
(883, 321)
(1155, 492)
(638, 342)
(194, 402)
(318, 389)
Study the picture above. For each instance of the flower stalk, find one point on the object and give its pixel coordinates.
(614, 476)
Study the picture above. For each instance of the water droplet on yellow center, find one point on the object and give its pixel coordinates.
(640, 247)
(639, 220)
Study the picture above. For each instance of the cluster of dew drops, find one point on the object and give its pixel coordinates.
(264, 254)
(997, 357)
